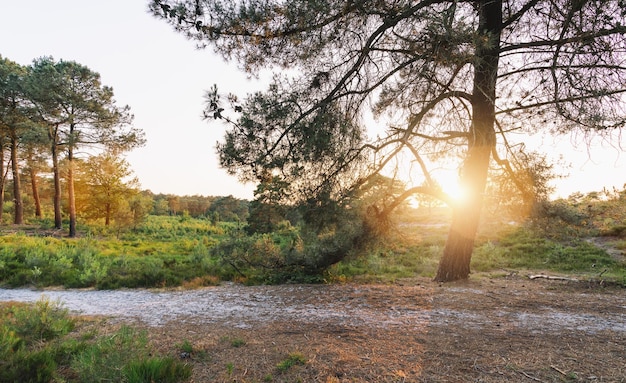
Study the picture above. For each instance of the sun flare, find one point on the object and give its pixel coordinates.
(457, 193)
(453, 188)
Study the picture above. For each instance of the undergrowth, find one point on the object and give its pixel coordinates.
(190, 252)
(38, 344)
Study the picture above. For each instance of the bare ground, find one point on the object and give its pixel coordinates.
(490, 330)
(482, 330)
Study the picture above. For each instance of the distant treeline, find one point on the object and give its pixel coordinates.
(215, 208)
(219, 208)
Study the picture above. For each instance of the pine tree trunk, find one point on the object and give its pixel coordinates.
(17, 186)
(2, 178)
(71, 195)
(107, 218)
(34, 183)
(58, 220)
(457, 254)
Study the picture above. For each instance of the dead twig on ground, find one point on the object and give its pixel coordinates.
(558, 370)
(531, 377)
(552, 277)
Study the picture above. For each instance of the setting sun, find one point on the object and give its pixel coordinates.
(451, 186)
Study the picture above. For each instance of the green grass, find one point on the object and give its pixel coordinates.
(186, 346)
(37, 345)
(182, 251)
(162, 370)
(293, 359)
(237, 342)
(166, 251)
(524, 249)
(499, 246)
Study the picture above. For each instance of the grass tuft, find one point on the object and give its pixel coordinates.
(293, 359)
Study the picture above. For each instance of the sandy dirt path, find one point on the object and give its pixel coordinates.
(480, 330)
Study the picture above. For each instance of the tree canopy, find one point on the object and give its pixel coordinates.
(446, 78)
(54, 108)
(79, 112)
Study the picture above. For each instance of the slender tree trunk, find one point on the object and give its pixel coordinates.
(107, 217)
(457, 254)
(34, 183)
(3, 178)
(70, 192)
(17, 186)
(58, 220)
(1, 198)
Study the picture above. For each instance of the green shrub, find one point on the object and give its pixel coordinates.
(35, 348)
(25, 366)
(45, 320)
(24, 329)
(9, 342)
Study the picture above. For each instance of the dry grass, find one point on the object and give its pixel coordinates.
(457, 343)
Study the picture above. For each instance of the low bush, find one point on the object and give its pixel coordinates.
(36, 347)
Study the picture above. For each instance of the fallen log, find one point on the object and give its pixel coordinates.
(552, 277)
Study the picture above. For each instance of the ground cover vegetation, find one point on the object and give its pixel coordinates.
(582, 236)
(42, 343)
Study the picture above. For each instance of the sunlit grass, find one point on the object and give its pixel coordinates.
(134, 260)
(182, 251)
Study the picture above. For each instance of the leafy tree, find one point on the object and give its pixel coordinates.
(173, 203)
(79, 112)
(521, 187)
(140, 205)
(108, 186)
(195, 206)
(161, 207)
(449, 77)
(44, 82)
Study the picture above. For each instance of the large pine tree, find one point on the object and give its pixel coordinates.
(78, 112)
(451, 76)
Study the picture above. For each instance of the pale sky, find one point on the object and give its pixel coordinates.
(156, 71)
(162, 77)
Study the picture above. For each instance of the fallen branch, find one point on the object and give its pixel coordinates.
(558, 370)
(531, 377)
(552, 277)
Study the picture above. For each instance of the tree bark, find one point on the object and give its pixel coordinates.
(71, 198)
(58, 220)
(107, 218)
(34, 183)
(18, 208)
(70, 187)
(2, 178)
(457, 254)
